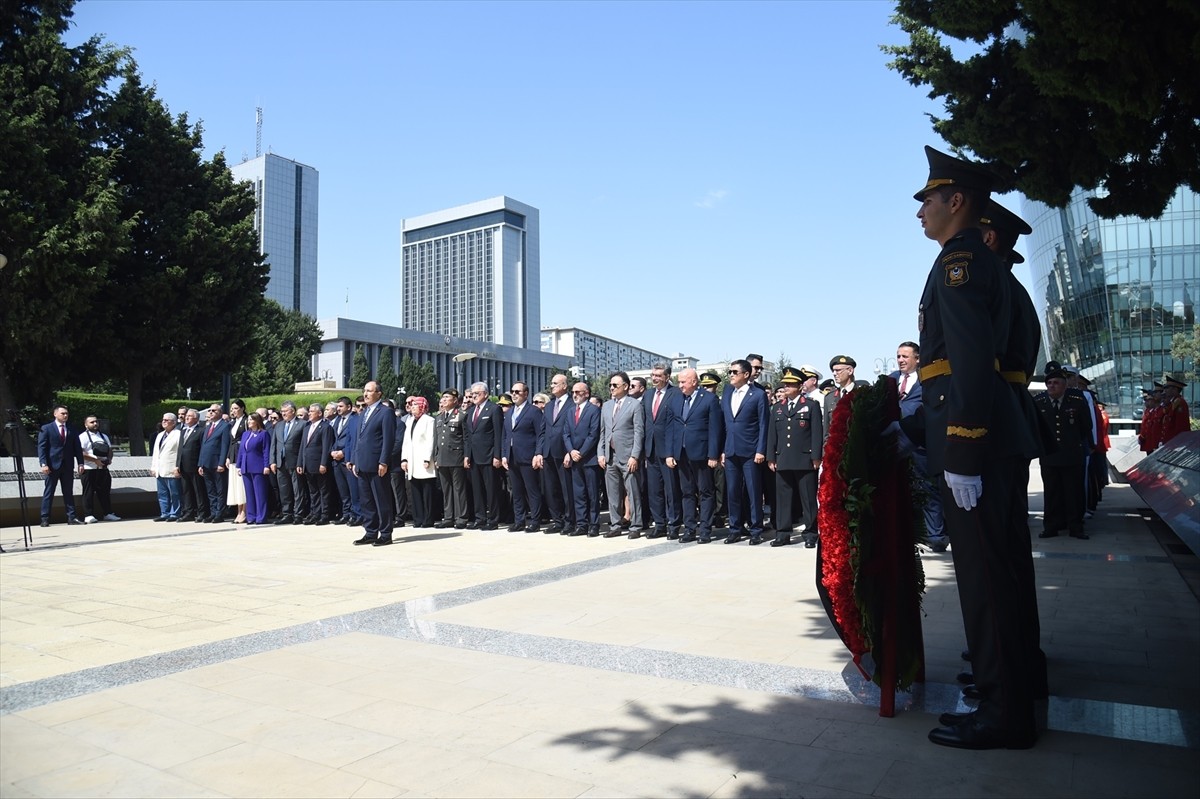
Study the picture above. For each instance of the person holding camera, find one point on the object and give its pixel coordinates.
(97, 479)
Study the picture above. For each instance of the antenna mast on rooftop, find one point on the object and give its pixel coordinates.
(258, 132)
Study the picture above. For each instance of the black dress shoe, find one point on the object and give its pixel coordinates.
(157, 519)
(460, 526)
(516, 527)
(354, 521)
(554, 528)
(280, 520)
(673, 535)
(781, 542)
(310, 520)
(593, 531)
(810, 543)
(322, 522)
(950, 719)
(45, 523)
(614, 533)
(755, 540)
(1081, 536)
(441, 525)
(382, 542)
(473, 525)
(733, 539)
(1048, 534)
(704, 539)
(966, 678)
(687, 538)
(490, 526)
(366, 539)
(971, 733)
(534, 528)
(972, 692)
(632, 534)
(73, 520)
(182, 519)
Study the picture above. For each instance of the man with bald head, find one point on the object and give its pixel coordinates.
(693, 450)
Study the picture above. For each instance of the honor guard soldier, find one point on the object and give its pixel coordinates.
(1067, 414)
(975, 437)
(794, 439)
(1175, 418)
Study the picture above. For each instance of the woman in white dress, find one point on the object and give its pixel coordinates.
(235, 492)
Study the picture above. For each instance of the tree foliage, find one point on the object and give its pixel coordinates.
(283, 344)
(192, 279)
(1186, 347)
(419, 380)
(60, 218)
(385, 375)
(1060, 94)
(360, 372)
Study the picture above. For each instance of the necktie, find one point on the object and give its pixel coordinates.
(1055, 405)
(616, 410)
(211, 425)
(558, 403)
(904, 386)
(791, 406)
(287, 428)
(737, 400)
(62, 432)
(687, 405)
(312, 428)
(578, 410)
(475, 418)
(657, 402)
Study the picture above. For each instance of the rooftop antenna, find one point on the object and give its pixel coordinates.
(258, 132)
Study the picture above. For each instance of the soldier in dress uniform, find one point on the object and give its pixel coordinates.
(448, 453)
(1175, 416)
(794, 439)
(975, 437)
(1068, 415)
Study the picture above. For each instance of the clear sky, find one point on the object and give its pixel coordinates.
(713, 178)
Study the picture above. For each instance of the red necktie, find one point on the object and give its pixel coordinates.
(657, 400)
(904, 386)
(211, 425)
(578, 410)
(62, 432)
(475, 419)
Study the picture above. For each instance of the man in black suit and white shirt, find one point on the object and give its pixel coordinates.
(285, 457)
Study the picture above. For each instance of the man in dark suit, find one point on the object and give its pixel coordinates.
(693, 450)
(60, 457)
(214, 449)
(662, 481)
(194, 505)
(484, 446)
(372, 459)
(908, 387)
(557, 489)
(286, 439)
(345, 436)
(795, 437)
(524, 440)
(315, 465)
(581, 437)
(744, 405)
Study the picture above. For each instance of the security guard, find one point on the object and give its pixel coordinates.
(794, 440)
(1069, 416)
(975, 438)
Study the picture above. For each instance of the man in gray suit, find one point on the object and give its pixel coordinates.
(285, 458)
(622, 434)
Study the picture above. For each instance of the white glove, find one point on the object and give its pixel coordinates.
(967, 488)
(904, 445)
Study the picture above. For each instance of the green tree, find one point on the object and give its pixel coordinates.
(782, 362)
(419, 380)
(360, 372)
(599, 388)
(1186, 348)
(385, 374)
(1058, 94)
(285, 341)
(192, 280)
(60, 217)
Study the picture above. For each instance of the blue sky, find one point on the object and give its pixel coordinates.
(713, 178)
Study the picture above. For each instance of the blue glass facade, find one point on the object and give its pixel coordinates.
(1111, 293)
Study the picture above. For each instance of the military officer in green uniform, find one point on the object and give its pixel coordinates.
(976, 437)
(794, 439)
(448, 455)
(1067, 414)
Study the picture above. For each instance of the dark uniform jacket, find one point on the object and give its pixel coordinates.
(448, 438)
(794, 438)
(969, 413)
(1071, 426)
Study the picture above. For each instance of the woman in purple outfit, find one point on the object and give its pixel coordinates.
(254, 461)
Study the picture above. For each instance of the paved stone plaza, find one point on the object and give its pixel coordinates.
(210, 660)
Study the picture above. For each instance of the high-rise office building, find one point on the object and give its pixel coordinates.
(286, 222)
(1112, 293)
(473, 272)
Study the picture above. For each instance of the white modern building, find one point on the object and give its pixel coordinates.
(286, 222)
(473, 272)
(597, 355)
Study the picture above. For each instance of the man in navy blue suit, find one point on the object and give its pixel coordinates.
(581, 437)
(662, 482)
(60, 457)
(524, 440)
(214, 450)
(908, 384)
(693, 450)
(372, 459)
(345, 436)
(744, 405)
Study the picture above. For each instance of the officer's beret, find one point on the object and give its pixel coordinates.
(946, 170)
(710, 379)
(451, 391)
(840, 359)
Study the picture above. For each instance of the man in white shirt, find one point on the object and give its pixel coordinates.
(97, 480)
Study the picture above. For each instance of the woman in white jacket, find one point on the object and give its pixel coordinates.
(416, 459)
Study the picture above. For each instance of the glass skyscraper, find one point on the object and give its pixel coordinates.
(473, 272)
(286, 222)
(1112, 292)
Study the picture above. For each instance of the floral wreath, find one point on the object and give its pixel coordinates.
(870, 518)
